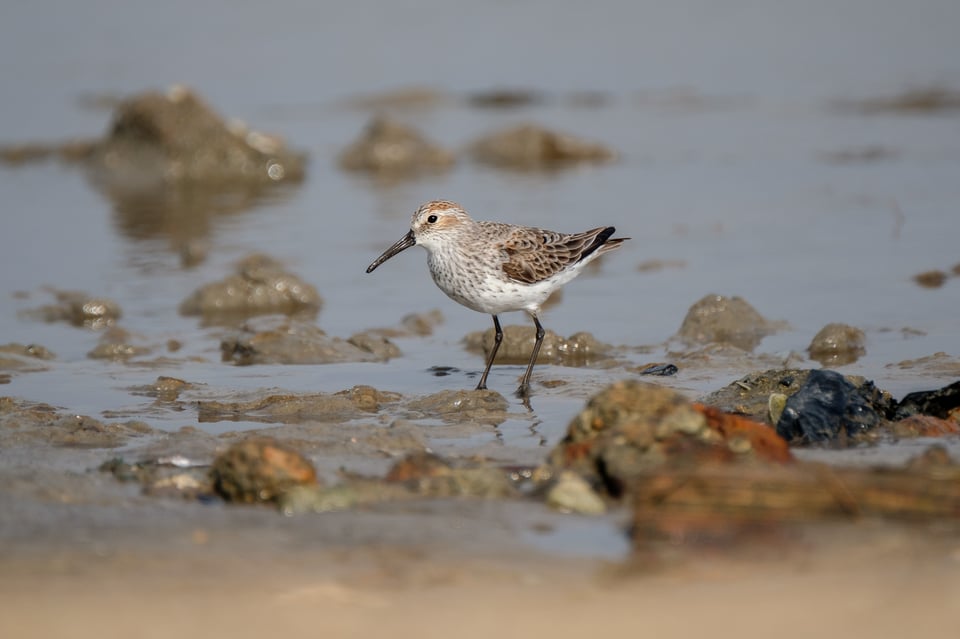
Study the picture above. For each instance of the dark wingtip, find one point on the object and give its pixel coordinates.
(598, 241)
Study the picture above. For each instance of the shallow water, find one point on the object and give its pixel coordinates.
(724, 118)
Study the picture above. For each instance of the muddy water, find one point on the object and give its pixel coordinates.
(738, 168)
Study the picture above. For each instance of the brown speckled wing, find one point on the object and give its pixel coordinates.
(533, 255)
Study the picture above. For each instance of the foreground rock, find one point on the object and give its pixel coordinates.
(390, 148)
(530, 147)
(260, 286)
(260, 470)
(711, 503)
(632, 428)
(716, 319)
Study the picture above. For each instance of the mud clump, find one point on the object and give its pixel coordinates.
(115, 344)
(276, 341)
(22, 422)
(531, 147)
(293, 409)
(23, 358)
(79, 309)
(260, 286)
(176, 138)
(631, 428)
(390, 148)
(915, 101)
(260, 470)
(580, 349)
(481, 406)
(837, 344)
(716, 319)
(931, 279)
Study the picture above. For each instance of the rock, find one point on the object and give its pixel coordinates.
(943, 403)
(750, 395)
(828, 407)
(529, 147)
(482, 406)
(429, 475)
(632, 428)
(294, 342)
(176, 138)
(389, 147)
(837, 344)
(260, 286)
(259, 470)
(571, 493)
(730, 320)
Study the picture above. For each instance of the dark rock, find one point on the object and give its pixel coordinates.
(828, 407)
(943, 403)
(660, 370)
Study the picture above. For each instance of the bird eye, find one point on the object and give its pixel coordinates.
(431, 219)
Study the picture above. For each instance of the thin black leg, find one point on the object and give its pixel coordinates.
(497, 338)
(524, 388)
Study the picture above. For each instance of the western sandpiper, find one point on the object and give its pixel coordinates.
(495, 268)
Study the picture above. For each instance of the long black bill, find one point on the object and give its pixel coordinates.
(404, 242)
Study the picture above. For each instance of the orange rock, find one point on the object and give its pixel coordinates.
(763, 439)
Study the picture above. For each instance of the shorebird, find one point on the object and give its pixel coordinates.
(493, 268)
